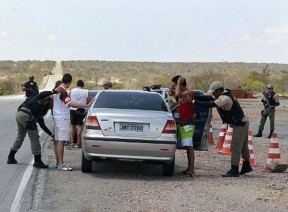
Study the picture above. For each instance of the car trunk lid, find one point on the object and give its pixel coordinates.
(116, 122)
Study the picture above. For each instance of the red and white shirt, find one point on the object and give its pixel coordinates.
(61, 107)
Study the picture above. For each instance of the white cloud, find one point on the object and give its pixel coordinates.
(246, 38)
(4, 34)
(52, 37)
(269, 36)
(277, 34)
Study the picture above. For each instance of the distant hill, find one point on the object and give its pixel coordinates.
(251, 77)
(14, 73)
(135, 75)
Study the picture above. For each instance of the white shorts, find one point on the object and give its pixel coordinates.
(187, 142)
(61, 129)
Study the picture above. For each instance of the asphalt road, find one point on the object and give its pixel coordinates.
(11, 175)
(17, 180)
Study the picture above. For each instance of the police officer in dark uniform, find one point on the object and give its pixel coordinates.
(231, 113)
(30, 87)
(270, 101)
(29, 112)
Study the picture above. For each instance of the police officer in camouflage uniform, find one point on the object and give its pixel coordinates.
(231, 113)
(29, 112)
(270, 101)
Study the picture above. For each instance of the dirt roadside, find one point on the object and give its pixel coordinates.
(124, 186)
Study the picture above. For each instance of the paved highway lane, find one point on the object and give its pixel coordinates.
(17, 180)
(11, 175)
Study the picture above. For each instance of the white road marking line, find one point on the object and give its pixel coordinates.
(39, 190)
(18, 200)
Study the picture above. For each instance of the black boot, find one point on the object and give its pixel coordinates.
(259, 134)
(11, 157)
(38, 163)
(246, 167)
(270, 135)
(233, 172)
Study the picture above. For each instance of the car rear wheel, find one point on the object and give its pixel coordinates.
(86, 165)
(168, 169)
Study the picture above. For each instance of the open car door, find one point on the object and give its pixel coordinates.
(202, 126)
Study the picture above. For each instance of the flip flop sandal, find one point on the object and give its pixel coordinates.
(185, 173)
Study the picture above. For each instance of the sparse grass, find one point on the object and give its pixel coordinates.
(135, 75)
(15, 73)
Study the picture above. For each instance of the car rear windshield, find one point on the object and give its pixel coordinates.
(92, 93)
(131, 100)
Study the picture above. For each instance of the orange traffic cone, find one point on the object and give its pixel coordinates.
(221, 137)
(251, 150)
(225, 150)
(211, 137)
(273, 156)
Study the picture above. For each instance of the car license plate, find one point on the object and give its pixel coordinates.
(131, 127)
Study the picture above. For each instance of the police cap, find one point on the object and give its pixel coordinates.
(269, 86)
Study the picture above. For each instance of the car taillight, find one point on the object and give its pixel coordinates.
(170, 127)
(92, 123)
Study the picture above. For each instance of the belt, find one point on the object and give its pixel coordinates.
(239, 123)
(24, 110)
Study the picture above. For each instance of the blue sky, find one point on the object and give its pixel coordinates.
(147, 30)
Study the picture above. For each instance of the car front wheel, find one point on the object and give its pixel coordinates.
(168, 169)
(86, 165)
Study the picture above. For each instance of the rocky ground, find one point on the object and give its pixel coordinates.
(124, 186)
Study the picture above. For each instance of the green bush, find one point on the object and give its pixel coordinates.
(6, 88)
(118, 85)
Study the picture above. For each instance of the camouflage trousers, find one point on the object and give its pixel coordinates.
(22, 131)
(268, 112)
(239, 144)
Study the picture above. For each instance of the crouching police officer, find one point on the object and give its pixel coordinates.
(29, 112)
(231, 113)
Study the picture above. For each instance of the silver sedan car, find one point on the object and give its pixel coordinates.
(129, 125)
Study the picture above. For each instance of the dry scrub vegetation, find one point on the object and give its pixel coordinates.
(134, 75)
(14, 73)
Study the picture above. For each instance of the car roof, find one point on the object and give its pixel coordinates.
(160, 89)
(128, 91)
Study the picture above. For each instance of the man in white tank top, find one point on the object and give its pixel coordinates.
(78, 95)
